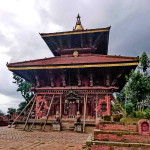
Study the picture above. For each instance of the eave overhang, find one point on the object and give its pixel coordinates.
(95, 38)
(75, 62)
(74, 66)
(75, 32)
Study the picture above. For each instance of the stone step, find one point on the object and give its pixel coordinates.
(96, 132)
(94, 144)
(67, 126)
(120, 144)
(120, 136)
(113, 126)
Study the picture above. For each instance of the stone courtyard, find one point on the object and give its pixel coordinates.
(13, 139)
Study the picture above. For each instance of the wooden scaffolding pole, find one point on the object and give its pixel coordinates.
(48, 112)
(36, 114)
(96, 106)
(23, 110)
(85, 102)
(29, 114)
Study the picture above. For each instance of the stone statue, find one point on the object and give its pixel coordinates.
(144, 127)
(57, 116)
(78, 117)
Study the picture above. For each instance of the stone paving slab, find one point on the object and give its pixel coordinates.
(13, 139)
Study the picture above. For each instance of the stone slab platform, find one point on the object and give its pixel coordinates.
(21, 140)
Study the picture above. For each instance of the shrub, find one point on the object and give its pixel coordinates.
(129, 108)
(147, 113)
(140, 114)
(107, 118)
(117, 117)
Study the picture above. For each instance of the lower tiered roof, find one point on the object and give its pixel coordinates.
(75, 62)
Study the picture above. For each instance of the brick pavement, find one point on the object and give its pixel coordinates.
(13, 139)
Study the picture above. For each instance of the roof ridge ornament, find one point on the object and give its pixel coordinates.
(78, 26)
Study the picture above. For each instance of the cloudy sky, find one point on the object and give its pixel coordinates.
(21, 21)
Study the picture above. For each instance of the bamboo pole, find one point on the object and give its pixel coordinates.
(29, 114)
(48, 112)
(24, 117)
(23, 110)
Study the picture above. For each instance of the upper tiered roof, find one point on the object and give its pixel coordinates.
(95, 40)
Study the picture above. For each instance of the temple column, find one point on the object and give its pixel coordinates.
(60, 105)
(107, 98)
(107, 80)
(91, 79)
(37, 81)
(52, 79)
(78, 77)
(96, 106)
(63, 80)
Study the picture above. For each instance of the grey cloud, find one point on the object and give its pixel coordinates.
(129, 35)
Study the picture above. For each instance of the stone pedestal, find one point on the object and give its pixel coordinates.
(56, 126)
(78, 127)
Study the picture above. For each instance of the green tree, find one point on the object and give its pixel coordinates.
(121, 97)
(1, 113)
(144, 62)
(24, 88)
(11, 111)
(137, 89)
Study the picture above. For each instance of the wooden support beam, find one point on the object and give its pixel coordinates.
(23, 110)
(85, 104)
(96, 107)
(63, 80)
(81, 40)
(91, 79)
(60, 105)
(37, 113)
(79, 77)
(24, 115)
(98, 40)
(48, 112)
(29, 115)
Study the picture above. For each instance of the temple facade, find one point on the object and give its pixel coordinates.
(81, 77)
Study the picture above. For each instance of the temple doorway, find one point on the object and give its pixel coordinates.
(72, 109)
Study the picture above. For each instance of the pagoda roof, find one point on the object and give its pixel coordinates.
(59, 62)
(91, 38)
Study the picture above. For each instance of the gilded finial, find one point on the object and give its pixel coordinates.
(78, 25)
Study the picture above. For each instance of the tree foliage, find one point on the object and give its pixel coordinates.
(24, 88)
(1, 113)
(137, 89)
(144, 62)
(11, 111)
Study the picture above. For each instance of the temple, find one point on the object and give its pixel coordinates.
(81, 77)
